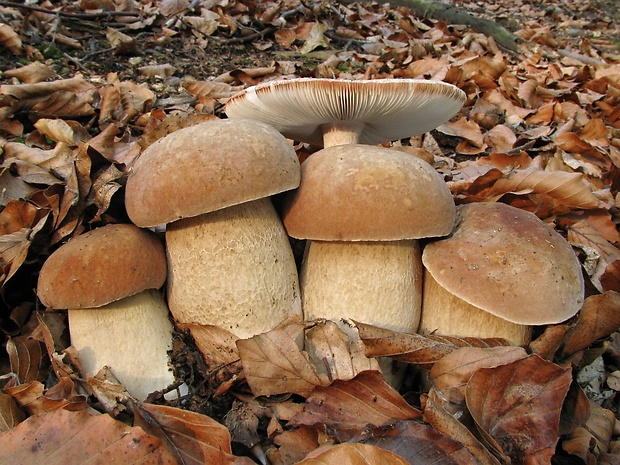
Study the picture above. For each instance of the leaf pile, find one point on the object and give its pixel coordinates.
(87, 86)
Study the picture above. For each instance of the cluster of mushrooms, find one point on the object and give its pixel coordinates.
(361, 208)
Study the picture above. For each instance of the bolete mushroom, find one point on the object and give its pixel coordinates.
(230, 263)
(363, 209)
(501, 271)
(333, 111)
(108, 279)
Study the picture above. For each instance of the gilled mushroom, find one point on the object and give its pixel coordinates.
(108, 279)
(501, 271)
(230, 263)
(363, 209)
(332, 112)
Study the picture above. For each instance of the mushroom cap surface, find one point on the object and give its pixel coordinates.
(390, 109)
(508, 262)
(368, 193)
(102, 266)
(207, 167)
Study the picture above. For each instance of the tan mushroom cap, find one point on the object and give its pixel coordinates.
(102, 266)
(378, 110)
(509, 263)
(367, 193)
(207, 167)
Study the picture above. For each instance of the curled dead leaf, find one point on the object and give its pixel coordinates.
(517, 407)
(353, 454)
(10, 39)
(62, 437)
(347, 407)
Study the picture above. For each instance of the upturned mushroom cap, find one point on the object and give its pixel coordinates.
(377, 111)
(102, 266)
(366, 193)
(509, 263)
(207, 167)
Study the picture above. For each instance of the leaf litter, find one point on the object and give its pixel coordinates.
(87, 86)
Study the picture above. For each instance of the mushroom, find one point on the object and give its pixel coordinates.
(230, 263)
(108, 280)
(332, 112)
(500, 271)
(363, 209)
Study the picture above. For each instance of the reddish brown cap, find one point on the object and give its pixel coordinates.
(207, 167)
(508, 262)
(368, 193)
(378, 110)
(102, 266)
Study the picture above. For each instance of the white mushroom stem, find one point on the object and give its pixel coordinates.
(341, 133)
(377, 283)
(444, 313)
(232, 268)
(132, 336)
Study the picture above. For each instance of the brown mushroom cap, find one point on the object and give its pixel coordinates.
(509, 263)
(381, 110)
(367, 193)
(102, 266)
(207, 167)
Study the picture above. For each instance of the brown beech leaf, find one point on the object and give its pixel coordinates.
(69, 132)
(295, 444)
(353, 454)
(419, 443)
(10, 413)
(161, 71)
(598, 318)
(465, 129)
(216, 344)
(334, 355)
(212, 90)
(273, 362)
(64, 104)
(346, 407)
(598, 429)
(602, 256)
(285, 37)
(76, 85)
(191, 438)
(415, 348)
(35, 399)
(451, 374)
(549, 342)
(10, 39)
(31, 73)
(517, 406)
(62, 437)
(27, 358)
(566, 188)
(500, 138)
(442, 421)
(123, 44)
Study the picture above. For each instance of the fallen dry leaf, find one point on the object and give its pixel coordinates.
(418, 443)
(10, 413)
(273, 362)
(31, 73)
(517, 407)
(35, 399)
(415, 348)
(598, 318)
(440, 419)
(191, 438)
(597, 430)
(346, 407)
(62, 437)
(451, 374)
(354, 454)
